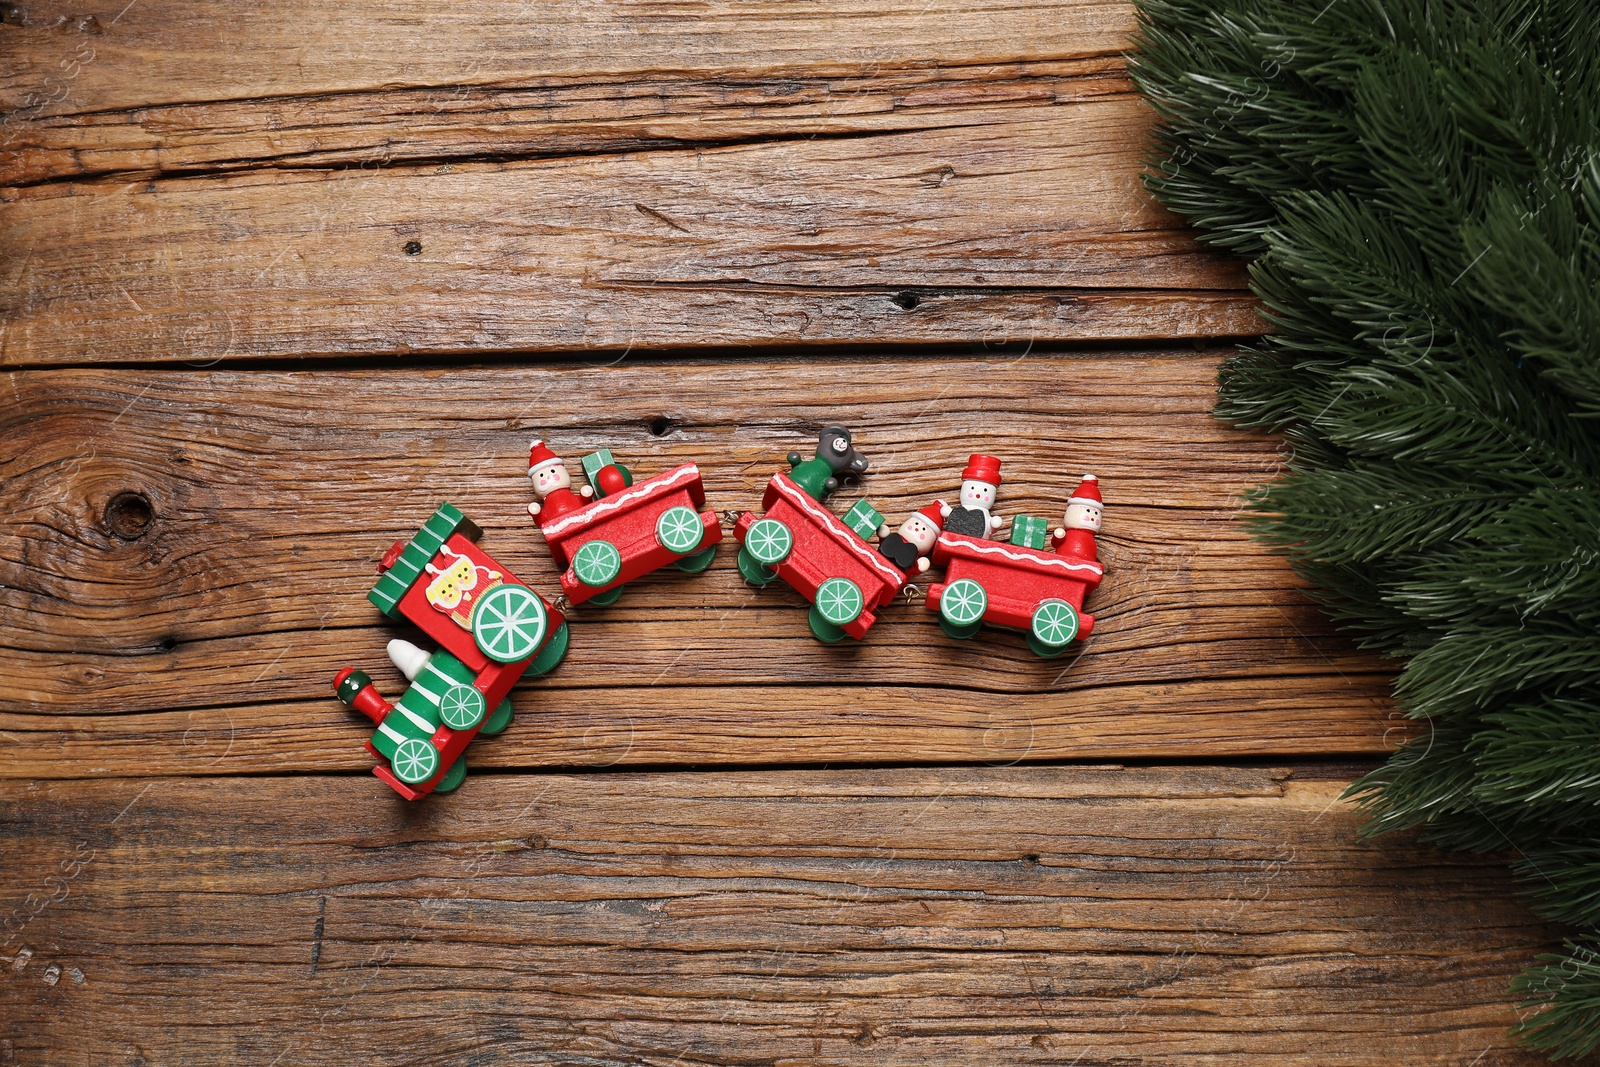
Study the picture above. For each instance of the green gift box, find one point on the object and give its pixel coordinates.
(864, 519)
(1030, 531)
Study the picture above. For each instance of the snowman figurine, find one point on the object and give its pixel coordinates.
(1075, 535)
(909, 549)
(978, 484)
(552, 484)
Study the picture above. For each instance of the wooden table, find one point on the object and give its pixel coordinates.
(279, 278)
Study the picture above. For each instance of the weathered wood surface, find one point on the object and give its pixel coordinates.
(1088, 916)
(846, 189)
(205, 640)
(532, 197)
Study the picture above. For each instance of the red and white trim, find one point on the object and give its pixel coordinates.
(801, 499)
(1020, 555)
(622, 501)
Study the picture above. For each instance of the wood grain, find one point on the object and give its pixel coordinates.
(301, 47)
(1048, 237)
(205, 643)
(1089, 916)
(621, 180)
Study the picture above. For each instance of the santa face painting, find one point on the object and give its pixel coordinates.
(976, 494)
(918, 531)
(547, 480)
(1082, 515)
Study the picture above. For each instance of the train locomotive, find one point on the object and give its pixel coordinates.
(491, 628)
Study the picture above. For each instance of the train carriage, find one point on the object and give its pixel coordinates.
(492, 629)
(631, 531)
(799, 540)
(1038, 592)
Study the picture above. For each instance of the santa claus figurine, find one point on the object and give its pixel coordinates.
(978, 484)
(909, 549)
(1075, 535)
(552, 485)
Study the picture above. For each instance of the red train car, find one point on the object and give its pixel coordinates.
(1038, 592)
(492, 629)
(801, 541)
(633, 530)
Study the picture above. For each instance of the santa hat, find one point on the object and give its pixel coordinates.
(540, 457)
(931, 513)
(982, 468)
(1088, 491)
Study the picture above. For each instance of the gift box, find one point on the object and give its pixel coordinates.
(864, 519)
(1030, 531)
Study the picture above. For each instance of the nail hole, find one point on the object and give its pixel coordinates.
(660, 427)
(167, 644)
(906, 301)
(129, 515)
(412, 248)
(1031, 859)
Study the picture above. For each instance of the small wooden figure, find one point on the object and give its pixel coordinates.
(1075, 535)
(493, 629)
(627, 529)
(910, 548)
(552, 484)
(836, 458)
(979, 482)
(1039, 592)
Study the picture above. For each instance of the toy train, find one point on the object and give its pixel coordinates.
(831, 563)
(615, 531)
(1008, 585)
(492, 629)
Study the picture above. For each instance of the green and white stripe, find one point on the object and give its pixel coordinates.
(408, 568)
(416, 715)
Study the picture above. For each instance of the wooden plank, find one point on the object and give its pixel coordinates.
(1048, 915)
(527, 118)
(304, 48)
(204, 641)
(1043, 233)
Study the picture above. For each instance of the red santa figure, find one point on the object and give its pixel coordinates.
(552, 485)
(1075, 535)
(978, 484)
(909, 548)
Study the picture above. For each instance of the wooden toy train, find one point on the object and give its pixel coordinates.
(492, 629)
(832, 564)
(614, 531)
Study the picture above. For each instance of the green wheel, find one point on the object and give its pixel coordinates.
(755, 572)
(552, 653)
(462, 707)
(610, 596)
(962, 633)
(497, 721)
(823, 629)
(963, 603)
(840, 601)
(509, 623)
(698, 562)
(597, 563)
(769, 542)
(680, 530)
(1055, 623)
(452, 778)
(414, 761)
